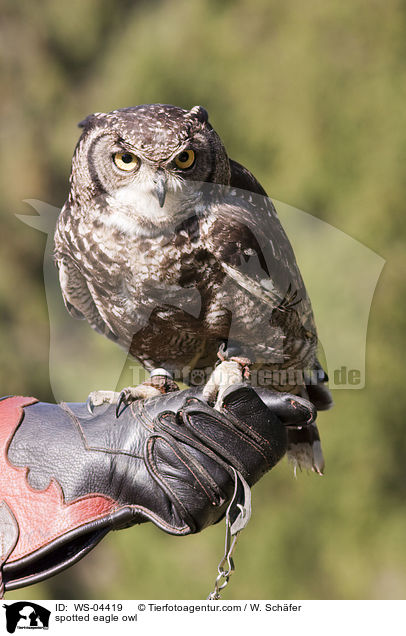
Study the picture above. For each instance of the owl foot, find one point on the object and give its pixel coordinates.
(228, 372)
(133, 393)
(159, 382)
(98, 398)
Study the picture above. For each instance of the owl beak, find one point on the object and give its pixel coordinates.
(160, 186)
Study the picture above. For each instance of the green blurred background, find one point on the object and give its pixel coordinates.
(311, 97)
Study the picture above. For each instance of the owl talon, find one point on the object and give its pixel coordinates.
(127, 395)
(132, 393)
(122, 399)
(227, 373)
(98, 398)
(89, 405)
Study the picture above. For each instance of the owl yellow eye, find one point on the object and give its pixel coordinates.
(185, 159)
(126, 161)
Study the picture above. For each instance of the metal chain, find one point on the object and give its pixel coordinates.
(226, 566)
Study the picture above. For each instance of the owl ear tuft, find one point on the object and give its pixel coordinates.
(200, 113)
(90, 120)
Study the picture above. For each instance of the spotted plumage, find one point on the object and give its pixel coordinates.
(170, 248)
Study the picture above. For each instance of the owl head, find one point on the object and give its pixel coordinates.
(144, 163)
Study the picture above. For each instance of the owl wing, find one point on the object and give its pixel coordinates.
(77, 292)
(259, 217)
(247, 238)
(243, 179)
(265, 222)
(77, 296)
(304, 448)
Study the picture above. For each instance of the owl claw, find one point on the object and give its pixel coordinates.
(160, 382)
(133, 393)
(89, 405)
(98, 398)
(122, 399)
(226, 374)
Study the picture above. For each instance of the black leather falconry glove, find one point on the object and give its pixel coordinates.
(68, 477)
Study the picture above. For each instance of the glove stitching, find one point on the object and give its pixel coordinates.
(99, 449)
(260, 439)
(153, 515)
(55, 536)
(257, 438)
(101, 516)
(269, 448)
(138, 410)
(182, 437)
(162, 478)
(239, 434)
(151, 465)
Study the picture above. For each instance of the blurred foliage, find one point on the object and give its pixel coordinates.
(311, 97)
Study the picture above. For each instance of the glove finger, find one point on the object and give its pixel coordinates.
(292, 410)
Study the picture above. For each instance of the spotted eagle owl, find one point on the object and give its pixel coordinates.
(172, 249)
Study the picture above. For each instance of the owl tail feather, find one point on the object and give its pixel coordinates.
(304, 449)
